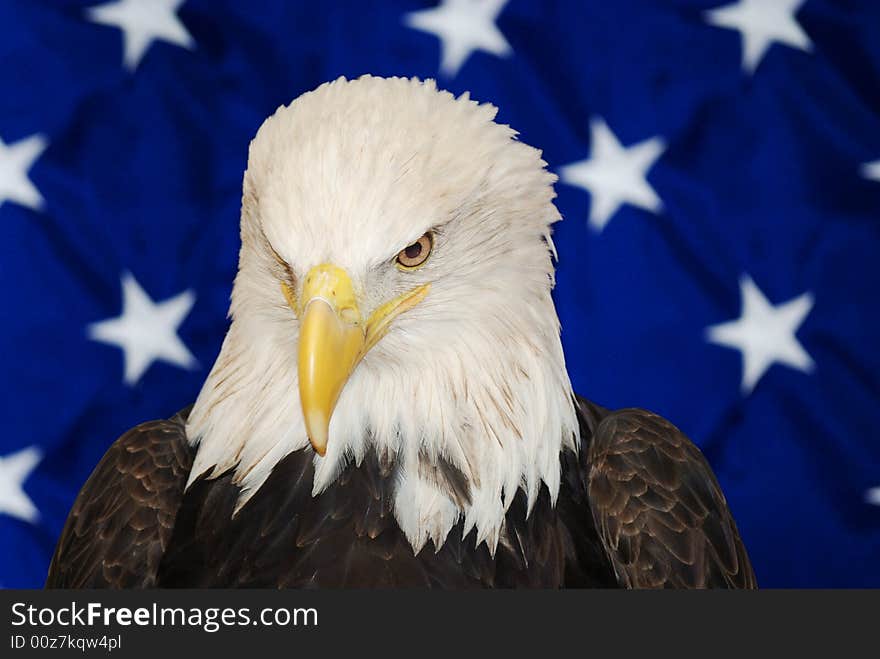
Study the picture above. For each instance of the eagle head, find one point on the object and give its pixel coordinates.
(394, 295)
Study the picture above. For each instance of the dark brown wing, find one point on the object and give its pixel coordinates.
(122, 519)
(659, 510)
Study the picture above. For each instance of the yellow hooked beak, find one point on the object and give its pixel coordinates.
(333, 338)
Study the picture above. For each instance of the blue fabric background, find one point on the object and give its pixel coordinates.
(761, 175)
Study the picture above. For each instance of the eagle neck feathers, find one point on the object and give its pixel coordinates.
(464, 432)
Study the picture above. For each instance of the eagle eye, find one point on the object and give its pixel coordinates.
(415, 255)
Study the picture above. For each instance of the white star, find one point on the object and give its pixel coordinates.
(463, 26)
(14, 471)
(764, 333)
(146, 331)
(871, 170)
(15, 162)
(873, 496)
(614, 175)
(142, 22)
(762, 22)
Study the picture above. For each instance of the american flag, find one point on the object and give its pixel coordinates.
(719, 261)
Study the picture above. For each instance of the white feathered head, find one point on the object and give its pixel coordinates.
(393, 295)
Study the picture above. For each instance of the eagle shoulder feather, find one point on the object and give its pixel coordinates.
(658, 508)
(122, 519)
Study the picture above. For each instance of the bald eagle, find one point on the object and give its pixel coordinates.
(390, 406)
